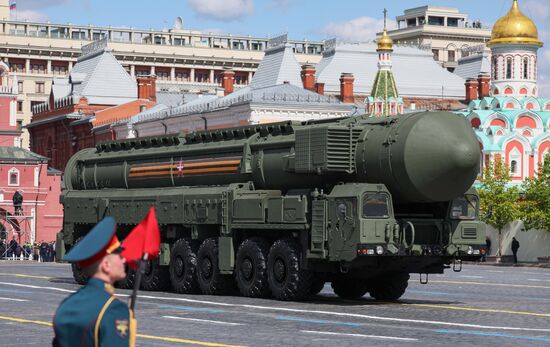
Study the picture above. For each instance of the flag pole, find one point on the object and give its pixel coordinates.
(139, 273)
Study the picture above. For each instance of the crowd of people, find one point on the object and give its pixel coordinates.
(42, 251)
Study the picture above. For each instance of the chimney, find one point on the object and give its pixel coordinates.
(228, 81)
(308, 77)
(320, 88)
(147, 87)
(484, 85)
(346, 87)
(472, 88)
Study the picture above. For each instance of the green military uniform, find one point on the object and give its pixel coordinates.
(93, 316)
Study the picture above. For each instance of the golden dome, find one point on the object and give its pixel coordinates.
(515, 28)
(385, 42)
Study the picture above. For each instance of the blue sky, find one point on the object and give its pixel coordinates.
(349, 20)
(311, 19)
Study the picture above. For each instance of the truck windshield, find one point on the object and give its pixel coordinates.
(375, 205)
(465, 207)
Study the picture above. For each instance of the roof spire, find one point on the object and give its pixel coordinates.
(385, 42)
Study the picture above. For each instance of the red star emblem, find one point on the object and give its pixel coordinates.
(180, 168)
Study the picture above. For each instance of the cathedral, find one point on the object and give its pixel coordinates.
(512, 123)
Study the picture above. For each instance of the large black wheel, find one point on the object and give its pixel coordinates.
(155, 276)
(211, 281)
(350, 288)
(390, 287)
(183, 268)
(287, 280)
(251, 267)
(129, 281)
(317, 286)
(78, 275)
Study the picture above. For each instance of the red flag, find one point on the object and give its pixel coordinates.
(143, 239)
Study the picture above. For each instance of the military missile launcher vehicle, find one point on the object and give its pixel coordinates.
(280, 209)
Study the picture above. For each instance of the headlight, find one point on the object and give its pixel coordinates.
(379, 250)
(470, 250)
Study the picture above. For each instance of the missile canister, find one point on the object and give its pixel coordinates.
(420, 157)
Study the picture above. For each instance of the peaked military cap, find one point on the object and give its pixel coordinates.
(99, 242)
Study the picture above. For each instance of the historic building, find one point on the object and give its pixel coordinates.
(39, 215)
(384, 99)
(98, 91)
(10, 133)
(184, 60)
(511, 122)
(280, 90)
(448, 34)
(442, 90)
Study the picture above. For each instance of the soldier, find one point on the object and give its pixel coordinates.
(93, 316)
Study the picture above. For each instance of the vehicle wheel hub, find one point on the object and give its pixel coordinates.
(246, 269)
(279, 270)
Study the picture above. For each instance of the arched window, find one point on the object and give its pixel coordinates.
(514, 167)
(508, 68)
(13, 177)
(515, 162)
(525, 68)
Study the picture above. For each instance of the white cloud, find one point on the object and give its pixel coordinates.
(224, 10)
(31, 16)
(360, 29)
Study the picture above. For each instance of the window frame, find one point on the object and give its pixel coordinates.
(15, 171)
(388, 205)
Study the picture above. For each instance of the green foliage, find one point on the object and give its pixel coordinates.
(498, 200)
(535, 204)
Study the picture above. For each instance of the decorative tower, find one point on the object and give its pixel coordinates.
(514, 44)
(384, 99)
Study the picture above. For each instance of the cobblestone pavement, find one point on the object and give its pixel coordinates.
(481, 306)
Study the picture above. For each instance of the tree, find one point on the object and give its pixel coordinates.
(498, 200)
(535, 202)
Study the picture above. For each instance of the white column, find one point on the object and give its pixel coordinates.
(211, 76)
(172, 73)
(133, 70)
(33, 225)
(49, 66)
(152, 70)
(192, 75)
(70, 66)
(27, 65)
